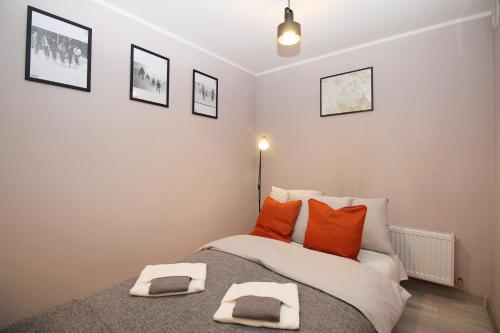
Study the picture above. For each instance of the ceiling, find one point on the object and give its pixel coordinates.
(244, 31)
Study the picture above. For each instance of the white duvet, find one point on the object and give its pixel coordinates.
(386, 264)
(377, 296)
(287, 293)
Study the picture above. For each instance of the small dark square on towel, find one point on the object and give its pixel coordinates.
(259, 308)
(170, 284)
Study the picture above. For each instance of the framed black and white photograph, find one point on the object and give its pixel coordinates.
(205, 94)
(348, 92)
(58, 51)
(149, 76)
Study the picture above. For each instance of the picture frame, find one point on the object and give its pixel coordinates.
(58, 51)
(205, 95)
(348, 92)
(149, 77)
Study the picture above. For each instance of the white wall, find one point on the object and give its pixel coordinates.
(427, 146)
(94, 186)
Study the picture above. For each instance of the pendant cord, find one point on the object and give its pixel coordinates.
(288, 3)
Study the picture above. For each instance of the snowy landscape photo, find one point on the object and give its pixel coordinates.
(149, 77)
(58, 51)
(205, 94)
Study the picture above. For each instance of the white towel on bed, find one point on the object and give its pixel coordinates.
(197, 272)
(287, 293)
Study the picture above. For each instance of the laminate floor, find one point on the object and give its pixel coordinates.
(430, 313)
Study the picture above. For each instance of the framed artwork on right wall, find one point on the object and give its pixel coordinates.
(348, 92)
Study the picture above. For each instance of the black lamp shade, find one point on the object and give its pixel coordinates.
(289, 31)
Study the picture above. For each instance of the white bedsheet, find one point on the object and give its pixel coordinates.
(389, 265)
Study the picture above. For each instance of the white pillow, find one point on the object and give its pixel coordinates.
(376, 235)
(281, 195)
(305, 192)
(299, 231)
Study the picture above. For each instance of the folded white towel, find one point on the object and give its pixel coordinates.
(287, 293)
(197, 272)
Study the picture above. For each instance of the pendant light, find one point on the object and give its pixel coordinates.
(289, 31)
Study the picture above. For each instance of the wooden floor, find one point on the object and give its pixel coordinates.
(428, 313)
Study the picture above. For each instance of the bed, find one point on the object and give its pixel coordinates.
(374, 281)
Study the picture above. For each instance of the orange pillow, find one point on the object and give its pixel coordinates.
(335, 231)
(276, 220)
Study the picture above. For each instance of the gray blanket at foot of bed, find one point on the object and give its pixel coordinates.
(113, 310)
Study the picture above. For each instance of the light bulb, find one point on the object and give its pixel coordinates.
(289, 38)
(263, 144)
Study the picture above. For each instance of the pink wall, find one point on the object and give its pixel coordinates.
(94, 186)
(427, 146)
(495, 286)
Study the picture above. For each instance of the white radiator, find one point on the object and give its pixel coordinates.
(426, 254)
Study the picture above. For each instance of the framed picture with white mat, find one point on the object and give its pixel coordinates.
(205, 95)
